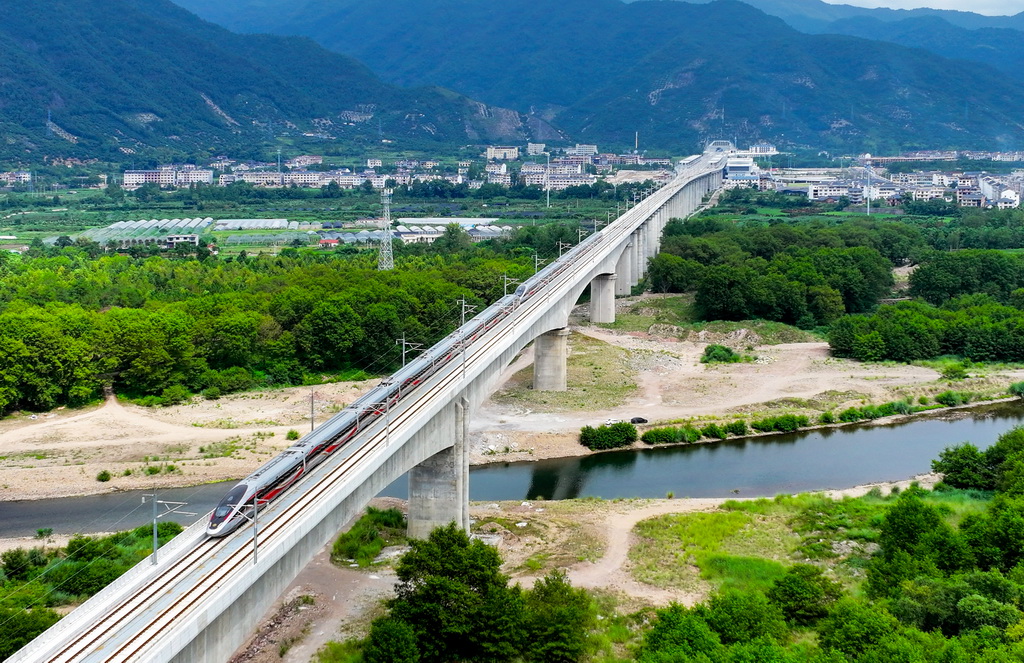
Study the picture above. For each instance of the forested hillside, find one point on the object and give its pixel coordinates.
(127, 76)
(675, 72)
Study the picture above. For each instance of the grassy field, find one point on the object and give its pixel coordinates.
(599, 377)
(748, 544)
(675, 316)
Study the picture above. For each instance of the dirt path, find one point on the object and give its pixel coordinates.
(611, 571)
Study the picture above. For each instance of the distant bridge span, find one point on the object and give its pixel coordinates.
(202, 599)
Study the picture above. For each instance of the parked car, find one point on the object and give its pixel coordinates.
(609, 422)
(638, 420)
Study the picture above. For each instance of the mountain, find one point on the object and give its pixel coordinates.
(997, 41)
(815, 16)
(134, 76)
(1000, 48)
(677, 73)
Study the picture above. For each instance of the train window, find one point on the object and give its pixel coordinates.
(229, 501)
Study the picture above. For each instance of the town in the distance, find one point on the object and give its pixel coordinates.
(912, 182)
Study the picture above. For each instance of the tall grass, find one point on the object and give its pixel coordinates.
(369, 535)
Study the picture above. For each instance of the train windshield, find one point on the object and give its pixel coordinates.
(229, 502)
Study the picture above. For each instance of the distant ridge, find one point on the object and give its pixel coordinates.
(675, 72)
(145, 77)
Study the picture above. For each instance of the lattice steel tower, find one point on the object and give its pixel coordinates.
(386, 259)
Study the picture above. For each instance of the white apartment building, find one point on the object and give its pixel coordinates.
(502, 153)
(167, 176)
(826, 190)
(558, 182)
(581, 150)
(535, 149)
(304, 161)
(929, 192)
(16, 177)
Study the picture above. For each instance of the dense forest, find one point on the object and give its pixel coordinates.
(829, 271)
(73, 319)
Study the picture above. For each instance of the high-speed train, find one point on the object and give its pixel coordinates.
(284, 470)
(288, 467)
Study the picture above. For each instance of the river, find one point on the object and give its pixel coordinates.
(761, 466)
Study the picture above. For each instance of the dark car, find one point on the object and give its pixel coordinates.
(638, 420)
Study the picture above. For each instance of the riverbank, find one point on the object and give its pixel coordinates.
(117, 446)
(567, 445)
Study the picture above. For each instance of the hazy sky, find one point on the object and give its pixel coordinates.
(991, 7)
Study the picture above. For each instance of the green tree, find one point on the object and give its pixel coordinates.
(964, 466)
(21, 626)
(327, 334)
(679, 634)
(804, 594)
(391, 641)
(454, 597)
(744, 616)
(558, 620)
(852, 627)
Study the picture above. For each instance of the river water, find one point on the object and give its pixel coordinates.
(761, 466)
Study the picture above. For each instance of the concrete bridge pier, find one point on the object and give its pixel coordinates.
(623, 270)
(439, 486)
(634, 259)
(550, 353)
(602, 298)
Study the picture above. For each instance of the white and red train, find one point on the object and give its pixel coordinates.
(284, 470)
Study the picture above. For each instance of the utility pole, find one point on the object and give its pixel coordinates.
(867, 191)
(386, 258)
(172, 507)
(562, 246)
(508, 281)
(547, 182)
(537, 262)
(255, 529)
(466, 309)
(408, 346)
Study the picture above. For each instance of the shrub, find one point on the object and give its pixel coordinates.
(292, 435)
(827, 418)
(608, 437)
(850, 414)
(175, 394)
(714, 431)
(368, 536)
(719, 354)
(954, 372)
(953, 398)
(1017, 389)
(211, 393)
(902, 407)
(737, 428)
(103, 476)
(671, 435)
(784, 423)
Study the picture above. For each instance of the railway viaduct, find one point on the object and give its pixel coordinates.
(200, 599)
